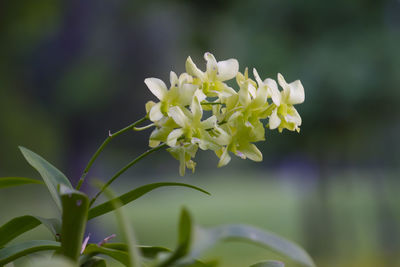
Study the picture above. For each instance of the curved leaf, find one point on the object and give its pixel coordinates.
(74, 217)
(269, 264)
(95, 262)
(121, 256)
(127, 232)
(185, 232)
(52, 177)
(197, 263)
(207, 237)
(15, 181)
(8, 254)
(133, 195)
(147, 251)
(54, 261)
(22, 224)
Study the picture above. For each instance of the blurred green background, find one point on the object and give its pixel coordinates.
(72, 70)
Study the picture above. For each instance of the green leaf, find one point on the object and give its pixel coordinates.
(15, 181)
(119, 255)
(185, 231)
(19, 225)
(95, 262)
(8, 254)
(52, 177)
(133, 195)
(207, 237)
(151, 251)
(74, 217)
(197, 263)
(54, 261)
(126, 230)
(147, 251)
(269, 264)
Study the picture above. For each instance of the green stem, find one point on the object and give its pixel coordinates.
(108, 139)
(121, 171)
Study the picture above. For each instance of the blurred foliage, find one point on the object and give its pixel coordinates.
(72, 70)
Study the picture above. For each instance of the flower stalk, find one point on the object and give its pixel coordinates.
(124, 169)
(103, 145)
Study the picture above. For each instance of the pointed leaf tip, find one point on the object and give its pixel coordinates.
(52, 177)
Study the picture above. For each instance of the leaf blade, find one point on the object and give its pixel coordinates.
(185, 232)
(204, 238)
(75, 205)
(19, 225)
(17, 181)
(268, 263)
(95, 262)
(119, 255)
(127, 232)
(146, 251)
(52, 177)
(8, 254)
(133, 195)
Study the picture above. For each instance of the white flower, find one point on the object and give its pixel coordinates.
(211, 81)
(180, 94)
(285, 116)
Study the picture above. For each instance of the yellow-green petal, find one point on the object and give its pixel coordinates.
(155, 112)
(227, 69)
(157, 87)
(192, 69)
(296, 93)
(251, 152)
(225, 158)
(178, 116)
(173, 137)
(274, 120)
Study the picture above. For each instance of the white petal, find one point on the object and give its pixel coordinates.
(273, 91)
(252, 90)
(157, 87)
(223, 138)
(192, 69)
(225, 158)
(173, 137)
(207, 143)
(196, 109)
(252, 152)
(186, 92)
(155, 112)
(173, 78)
(200, 95)
(227, 69)
(185, 78)
(244, 96)
(209, 122)
(178, 116)
(211, 63)
(261, 94)
(296, 93)
(294, 116)
(282, 82)
(274, 120)
(258, 79)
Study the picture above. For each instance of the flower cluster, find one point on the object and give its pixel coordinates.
(200, 110)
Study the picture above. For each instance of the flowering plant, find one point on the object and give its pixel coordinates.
(235, 123)
(199, 110)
